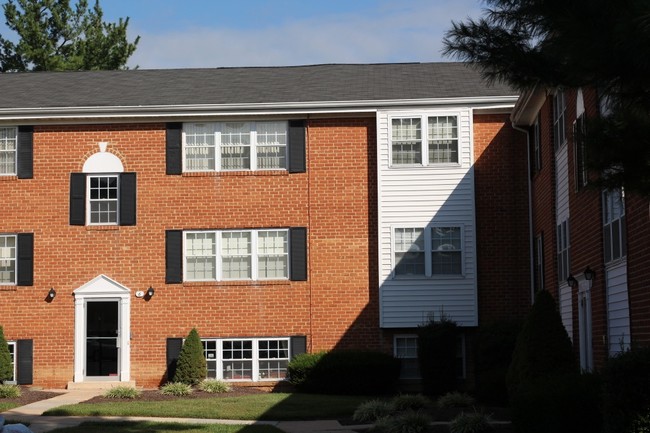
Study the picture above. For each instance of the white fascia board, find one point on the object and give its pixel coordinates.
(155, 112)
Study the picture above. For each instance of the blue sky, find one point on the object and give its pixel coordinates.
(213, 33)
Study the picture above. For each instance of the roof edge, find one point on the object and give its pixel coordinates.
(527, 106)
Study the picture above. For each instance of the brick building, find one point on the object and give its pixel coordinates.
(590, 246)
(277, 210)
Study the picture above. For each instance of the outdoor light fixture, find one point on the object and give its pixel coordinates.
(51, 294)
(571, 281)
(589, 274)
(150, 292)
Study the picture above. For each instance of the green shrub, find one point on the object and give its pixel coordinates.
(641, 424)
(178, 389)
(300, 367)
(405, 402)
(626, 388)
(372, 410)
(475, 422)
(437, 348)
(122, 392)
(350, 372)
(214, 386)
(405, 422)
(6, 366)
(455, 399)
(191, 367)
(9, 391)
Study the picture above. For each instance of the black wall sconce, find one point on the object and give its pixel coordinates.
(572, 282)
(589, 274)
(150, 292)
(51, 294)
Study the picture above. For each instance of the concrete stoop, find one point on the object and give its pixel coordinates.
(99, 385)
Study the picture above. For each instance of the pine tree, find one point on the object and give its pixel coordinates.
(54, 36)
(6, 366)
(191, 367)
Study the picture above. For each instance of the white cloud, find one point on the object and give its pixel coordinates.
(411, 31)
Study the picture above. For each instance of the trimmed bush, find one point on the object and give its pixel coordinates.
(475, 422)
(455, 399)
(9, 391)
(125, 392)
(191, 367)
(626, 389)
(348, 372)
(214, 386)
(6, 365)
(372, 410)
(177, 389)
(437, 346)
(415, 402)
(301, 366)
(405, 422)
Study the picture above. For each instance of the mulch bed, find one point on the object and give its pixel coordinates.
(30, 395)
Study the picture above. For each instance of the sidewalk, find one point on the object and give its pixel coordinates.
(32, 414)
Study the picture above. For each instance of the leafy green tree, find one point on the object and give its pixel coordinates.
(6, 366)
(601, 44)
(191, 367)
(54, 36)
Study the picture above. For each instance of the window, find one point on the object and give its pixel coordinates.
(247, 359)
(410, 146)
(563, 260)
(103, 199)
(12, 356)
(7, 259)
(429, 251)
(537, 150)
(230, 146)
(236, 255)
(614, 233)
(8, 146)
(579, 142)
(406, 350)
(559, 109)
(539, 262)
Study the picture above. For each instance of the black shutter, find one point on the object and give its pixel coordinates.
(174, 148)
(25, 362)
(173, 256)
(127, 199)
(25, 165)
(25, 259)
(77, 199)
(297, 160)
(298, 238)
(298, 345)
(174, 346)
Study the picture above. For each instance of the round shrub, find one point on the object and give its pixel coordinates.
(191, 367)
(405, 402)
(475, 422)
(9, 391)
(437, 346)
(405, 422)
(372, 410)
(178, 389)
(455, 399)
(214, 386)
(6, 367)
(301, 366)
(125, 392)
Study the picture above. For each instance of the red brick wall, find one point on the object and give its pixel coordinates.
(503, 247)
(335, 199)
(638, 259)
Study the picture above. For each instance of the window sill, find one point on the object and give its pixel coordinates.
(237, 283)
(235, 173)
(429, 278)
(102, 228)
(439, 166)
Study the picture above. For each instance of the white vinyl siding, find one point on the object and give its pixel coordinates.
(223, 255)
(8, 259)
(234, 146)
(8, 146)
(563, 251)
(559, 119)
(421, 197)
(566, 308)
(247, 359)
(618, 308)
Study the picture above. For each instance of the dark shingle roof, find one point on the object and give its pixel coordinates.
(299, 84)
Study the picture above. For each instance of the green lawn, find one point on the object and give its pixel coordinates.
(4, 405)
(271, 406)
(152, 427)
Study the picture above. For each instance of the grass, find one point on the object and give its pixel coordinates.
(271, 406)
(152, 427)
(6, 405)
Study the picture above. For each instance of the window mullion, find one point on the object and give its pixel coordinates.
(254, 253)
(219, 359)
(218, 258)
(253, 146)
(255, 361)
(217, 146)
(425, 140)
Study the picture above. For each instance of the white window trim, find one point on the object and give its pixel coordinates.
(14, 259)
(15, 151)
(396, 355)
(255, 361)
(89, 200)
(559, 119)
(13, 362)
(218, 127)
(608, 224)
(254, 255)
(428, 252)
(424, 122)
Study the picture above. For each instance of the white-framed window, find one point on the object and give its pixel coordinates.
(247, 359)
(559, 118)
(614, 230)
(222, 255)
(103, 199)
(8, 146)
(563, 246)
(233, 146)
(424, 140)
(579, 129)
(12, 355)
(405, 348)
(427, 251)
(8, 259)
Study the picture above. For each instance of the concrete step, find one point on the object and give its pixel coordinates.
(99, 384)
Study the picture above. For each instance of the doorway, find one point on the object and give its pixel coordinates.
(102, 338)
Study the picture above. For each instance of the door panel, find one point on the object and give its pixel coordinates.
(102, 351)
